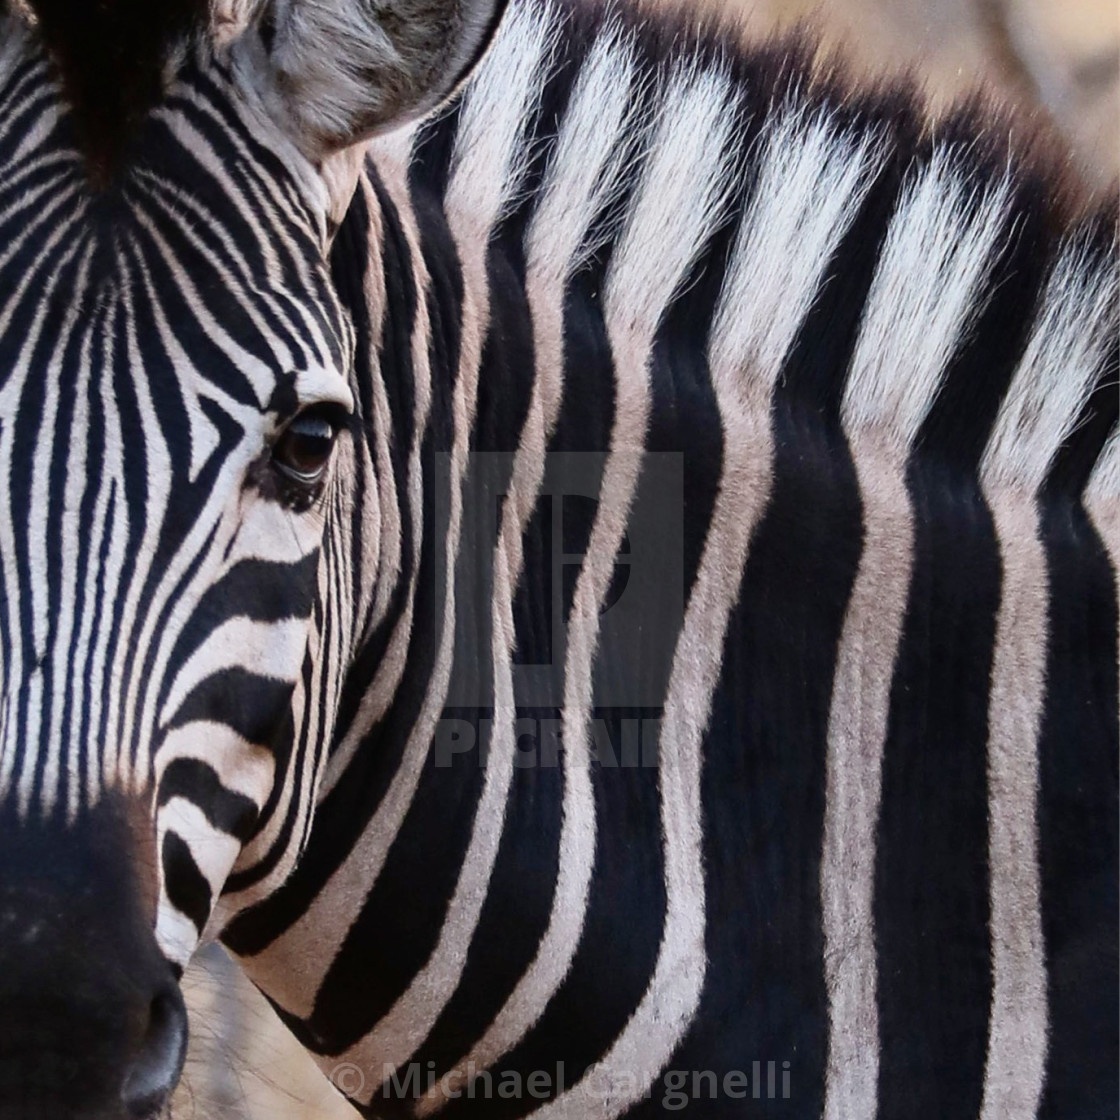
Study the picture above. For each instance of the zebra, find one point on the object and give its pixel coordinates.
(585, 555)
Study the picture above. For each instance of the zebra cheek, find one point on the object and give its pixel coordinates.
(208, 810)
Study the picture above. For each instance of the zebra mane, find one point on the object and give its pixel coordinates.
(763, 179)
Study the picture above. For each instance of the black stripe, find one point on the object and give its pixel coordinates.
(764, 763)
(515, 914)
(198, 783)
(352, 255)
(587, 1011)
(1077, 818)
(430, 167)
(931, 901)
(186, 886)
(249, 704)
(762, 791)
(932, 889)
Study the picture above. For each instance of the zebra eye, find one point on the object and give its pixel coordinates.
(303, 449)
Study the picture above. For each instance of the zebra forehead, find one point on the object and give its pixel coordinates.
(111, 58)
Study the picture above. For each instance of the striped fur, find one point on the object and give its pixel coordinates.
(832, 817)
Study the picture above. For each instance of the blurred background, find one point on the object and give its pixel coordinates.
(1059, 60)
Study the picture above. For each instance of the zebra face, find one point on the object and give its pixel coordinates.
(173, 405)
(173, 382)
(178, 448)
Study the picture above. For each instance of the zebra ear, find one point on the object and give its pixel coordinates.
(344, 70)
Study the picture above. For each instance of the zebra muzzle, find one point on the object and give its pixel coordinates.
(92, 1022)
(155, 1071)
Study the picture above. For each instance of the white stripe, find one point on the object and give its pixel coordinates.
(1076, 321)
(176, 934)
(938, 250)
(1102, 502)
(583, 175)
(857, 728)
(82, 595)
(117, 529)
(273, 649)
(242, 767)
(490, 158)
(670, 222)
(1053, 381)
(214, 853)
(1104, 482)
(1018, 1021)
(812, 181)
(926, 289)
(381, 542)
(1102, 497)
(49, 116)
(213, 850)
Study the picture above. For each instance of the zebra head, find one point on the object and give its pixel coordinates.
(181, 443)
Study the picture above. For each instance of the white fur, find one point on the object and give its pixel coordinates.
(248, 768)
(674, 213)
(1077, 320)
(588, 165)
(1018, 1019)
(1104, 482)
(584, 174)
(926, 289)
(1055, 377)
(490, 158)
(924, 296)
(214, 853)
(857, 727)
(811, 183)
(1102, 501)
(272, 648)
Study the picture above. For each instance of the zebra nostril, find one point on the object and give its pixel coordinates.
(155, 1072)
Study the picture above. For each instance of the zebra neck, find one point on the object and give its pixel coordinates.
(827, 355)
